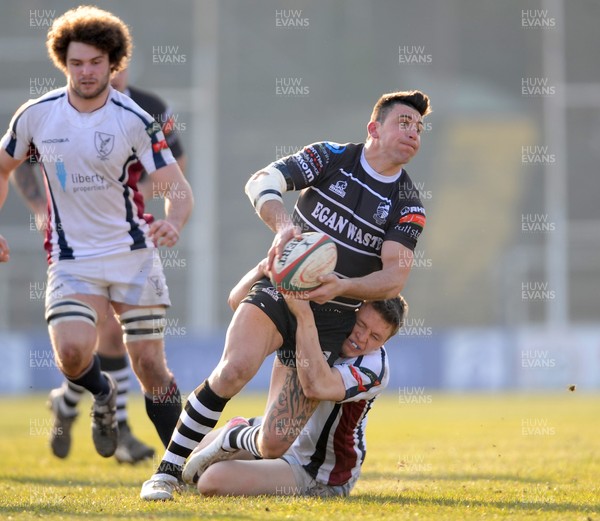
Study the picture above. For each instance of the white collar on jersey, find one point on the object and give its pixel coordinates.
(376, 175)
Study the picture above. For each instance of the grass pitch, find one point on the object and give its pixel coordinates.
(438, 457)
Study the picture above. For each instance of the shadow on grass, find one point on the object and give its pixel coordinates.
(41, 509)
(62, 482)
(447, 502)
(429, 476)
(123, 506)
(184, 510)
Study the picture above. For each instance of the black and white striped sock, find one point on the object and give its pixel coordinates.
(199, 416)
(118, 368)
(243, 437)
(72, 394)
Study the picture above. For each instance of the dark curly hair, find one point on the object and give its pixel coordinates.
(92, 26)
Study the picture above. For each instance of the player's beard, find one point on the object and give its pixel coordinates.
(102, 85)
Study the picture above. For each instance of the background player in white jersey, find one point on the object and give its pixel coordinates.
(327, 456)
(362, 197)
(111, 350)
(101, 250)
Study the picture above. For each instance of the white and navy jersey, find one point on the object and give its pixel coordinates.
(357, 207)
(332, 446)
(93, 205)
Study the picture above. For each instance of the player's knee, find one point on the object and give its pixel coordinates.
(144, 363)
(72, 324)
(71, 358)
(236, 371)
(150, 367)
(231, 375)
(213, 481)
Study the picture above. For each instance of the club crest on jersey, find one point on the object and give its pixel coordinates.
(383, 210)
(339, 188)
(104, 144)
(157, 285)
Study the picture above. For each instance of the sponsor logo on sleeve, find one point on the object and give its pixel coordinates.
(335, 148)
(306, 170)
(415, 218)
(159, 145)
(153, 128)
(169, 125)
(414, 215)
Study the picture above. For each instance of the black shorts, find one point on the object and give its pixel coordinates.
(333, 324)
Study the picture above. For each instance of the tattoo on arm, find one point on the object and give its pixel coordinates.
(290, 411)
(26, 182)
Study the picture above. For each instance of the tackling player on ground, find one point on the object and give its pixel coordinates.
(326, 457)
(327, 454)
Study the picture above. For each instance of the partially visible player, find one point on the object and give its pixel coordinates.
(327, 456)
(111, 350)
(161, 113)
(101, 249)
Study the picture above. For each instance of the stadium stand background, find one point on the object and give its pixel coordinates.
(220, 64)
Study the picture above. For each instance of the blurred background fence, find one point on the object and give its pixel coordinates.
(505, 292)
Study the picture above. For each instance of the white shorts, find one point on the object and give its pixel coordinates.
(134, 277)
(307, 486)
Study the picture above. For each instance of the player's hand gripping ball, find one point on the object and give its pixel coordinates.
(303, 261)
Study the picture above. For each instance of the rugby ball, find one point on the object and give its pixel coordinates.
(304, 260)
